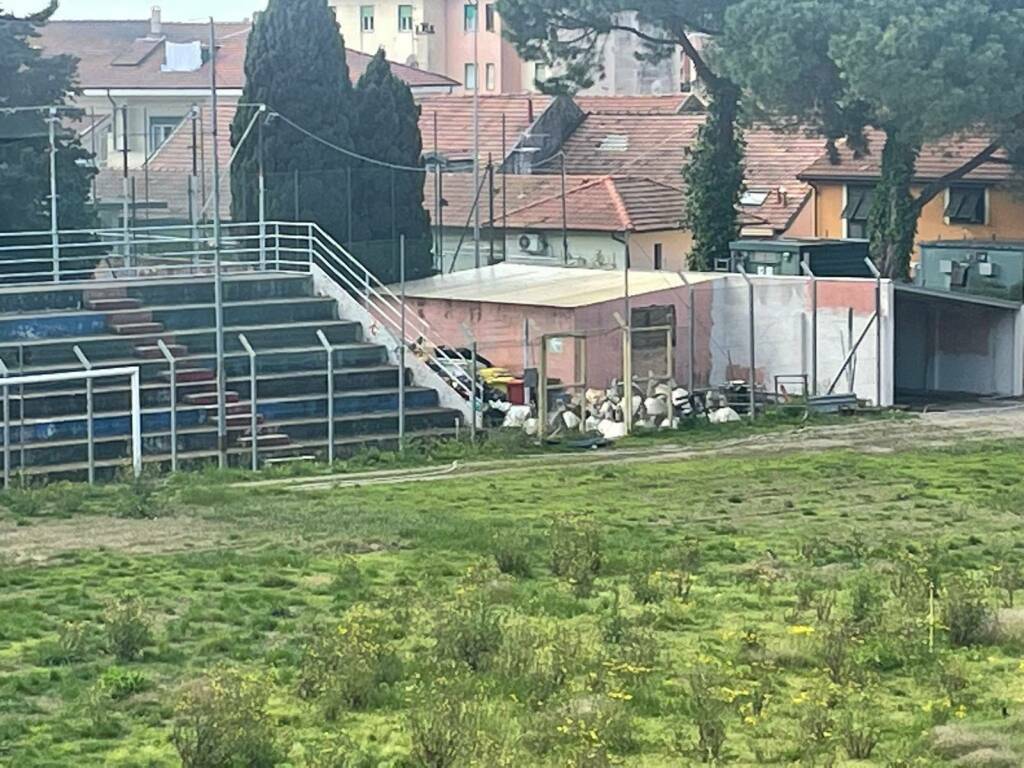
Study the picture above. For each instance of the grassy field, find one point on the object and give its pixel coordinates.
(758, 610)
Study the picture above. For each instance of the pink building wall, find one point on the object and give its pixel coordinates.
(492, 49)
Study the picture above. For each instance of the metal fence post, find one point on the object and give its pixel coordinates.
(173, 366)
(330, 394)
(753, 357)
(814, 325)
(89, 428)
(401, 346)
(262, 189)
(252, 399)
(136, 385)
(472, 394)
(878, 331)
(691, 314)
(7, 427)
(54, 232)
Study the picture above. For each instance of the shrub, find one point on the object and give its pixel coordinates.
(1009, 579)
(120, 683)
(348, 578)
(865, 600)
(346, 666)
(128, 627)
(537, 659)
(966, 614)
(576, 552)
(442, 725)
(858, 733)
(953, 677)
(221, 720)
(72, 640)
(512, 555)
(646, 581)
(707, 709)
(685, 562)
(470, 631)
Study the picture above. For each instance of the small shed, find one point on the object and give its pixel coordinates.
(827, 258)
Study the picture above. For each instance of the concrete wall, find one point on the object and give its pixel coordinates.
(404, 47)
(950, 346)
(783, 332)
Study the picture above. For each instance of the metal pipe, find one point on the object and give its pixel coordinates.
(173, 371)
(136, 385)
(330, 393)
(262, 189)
(472, 393)
(476, 131)
(814, 325)
(218, 288)
(852, 353)
(90, 433)
(54, 232)
(627, 344)
(565, 220)
(504, 184)
(253, 427)
(490, 208)
(438, 234)
(878, 331)
(753, 357)
(7, 427)
(691, 330)
(145, 159)
(401, 346)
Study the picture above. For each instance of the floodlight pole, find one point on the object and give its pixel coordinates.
(476, 131)
(54, 237)
(218, 288)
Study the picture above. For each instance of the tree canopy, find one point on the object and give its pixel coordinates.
(570, 35)
(29, 79)
(390, 201)
(295, 65)
(917, 70)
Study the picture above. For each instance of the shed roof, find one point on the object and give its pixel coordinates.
(544, 286)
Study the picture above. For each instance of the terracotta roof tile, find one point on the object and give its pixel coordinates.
(936, 160)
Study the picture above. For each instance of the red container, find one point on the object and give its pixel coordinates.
(516, 392)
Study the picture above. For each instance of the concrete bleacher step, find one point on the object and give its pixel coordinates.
(266, 440)
(112, 304)
(155, 353)
(137, 329)
(210, 398)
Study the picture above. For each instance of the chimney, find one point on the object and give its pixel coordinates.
(155, 24)
(783, 195)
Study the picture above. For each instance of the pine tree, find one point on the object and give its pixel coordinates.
(295, 64)
(27, 78)
(390, 201)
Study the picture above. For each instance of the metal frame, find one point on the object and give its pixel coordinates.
(806, 267)
(329, 349)
(753, 339)
(172, 366)
(692, 330)
(580, 353)
(95, 373)
(89, 411)
(253, 416)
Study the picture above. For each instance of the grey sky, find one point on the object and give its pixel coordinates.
(173, 10)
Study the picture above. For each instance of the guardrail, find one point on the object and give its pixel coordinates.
(165, 251)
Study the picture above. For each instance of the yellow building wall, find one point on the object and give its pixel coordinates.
(1005, 217)
(676, 245)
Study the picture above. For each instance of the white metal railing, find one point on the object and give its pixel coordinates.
(186, 250)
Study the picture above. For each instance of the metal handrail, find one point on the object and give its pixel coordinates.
(172, 365)
(329, 349)
(89, 424)
(252, 399)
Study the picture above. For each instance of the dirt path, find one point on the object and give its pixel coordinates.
(883, 436)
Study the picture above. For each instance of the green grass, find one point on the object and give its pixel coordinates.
(553, 675)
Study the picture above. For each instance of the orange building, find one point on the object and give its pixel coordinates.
(980, 206)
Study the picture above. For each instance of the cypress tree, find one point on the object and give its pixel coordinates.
(386, 128)
(27, 78)
(295, 64)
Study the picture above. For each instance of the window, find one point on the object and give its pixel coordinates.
(366, 18)
(469, 77)
(966, 205)
(753, 197)
(489, 17)
(858, 205)
(489, 76)
(469, 17)
(658, 262)
(540, 73)
(405, 18)
(160, 130)
(658, 317)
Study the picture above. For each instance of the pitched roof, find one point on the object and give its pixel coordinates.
(455, 122)
(936, 160)
(123, 54)
(592, 203)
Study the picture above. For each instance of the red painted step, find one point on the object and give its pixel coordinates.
(136, 329)
(192, 374)
(112, 304)
(242, 420)
(154, 353)
(266, 440)
(131, 317)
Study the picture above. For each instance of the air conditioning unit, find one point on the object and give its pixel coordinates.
(424, 28)
(533, 243)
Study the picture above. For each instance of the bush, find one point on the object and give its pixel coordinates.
(858, 733)
(576, 552)
(128, 627)
(707, 710)
(537, 659)
(470, 631)
(442, 725)
(647, 582)
(966, 614)
(346, 666)
(866, 600)
(72, 641)
(120, 683)
(512, 555)
(221, 720)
